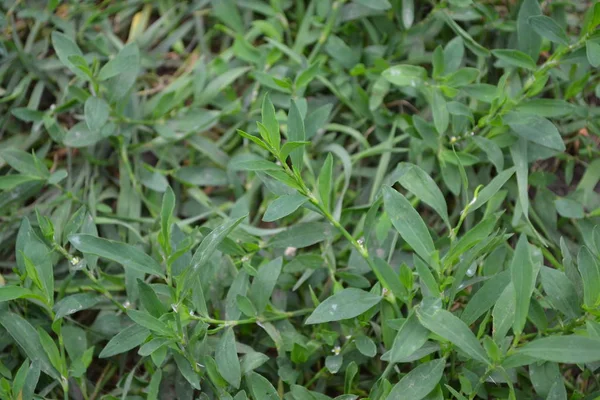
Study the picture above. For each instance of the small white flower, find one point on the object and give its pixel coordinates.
(75, 260)
(290, 252)
(127, 304)
(336, 350)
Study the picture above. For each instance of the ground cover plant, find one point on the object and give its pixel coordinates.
(300, 200)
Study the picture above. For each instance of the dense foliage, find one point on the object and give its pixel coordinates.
(253, 199)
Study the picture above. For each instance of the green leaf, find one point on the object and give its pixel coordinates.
(166, 216)
(219, 83)
(307, 75)
(462, 77)
(366, 346)
(590, 275)
(569, 208)
(405, 75)
(51, 350)
(283, 206)
(515, 58)
(419, 381)
(81, 136)
(345, 304)
(408, 223)
(264, 283)
(443, 323)
(245, 306)
(290, 146)
(534, 128)
(74, 303)
(150, 300)
(124, 254)
(253, 165)
(25, 163)
(65, 47)
(475, 47)
(491, 188)
(151, 346)
(25, 335)
(549, 108)
(548, 28)
(296, 133)
(126, 59)
(260, 387)
(523, 279)
(380, 5)
(408, 13)
(388, 278)
(410, 337)
(96, 113)
(125, 340)
(206, 249)
(592, 50)
(27, 114)
(441, 117)
(503, 314)
(325, 181)
(8, 182)
(253, 360)
(571, 349)
(227, 360)
(270, 123)
(561, 292)
(528, 41)
(302, 235)
(424, 273)
(12, 292)
(154, 385)
(149, 322)
(518, 151)
(485, 297)
(184, 367)
(419, 183)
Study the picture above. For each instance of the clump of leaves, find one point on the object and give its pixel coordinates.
(299, 200)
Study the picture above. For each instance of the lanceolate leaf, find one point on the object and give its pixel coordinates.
(420, 381)
(206, 249)
(564, 349)
(264, 283)
(590, 275)
(296, 133)
(535, 129)
(548, 28)
(419, 183)
(408, 223)
(411, 337)
(348, 303)
(451, 328)
(125, 340)
(227, 360)
(27, 338)
(124, 254)
(485, 297)
(284, 206)
(523, 279)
